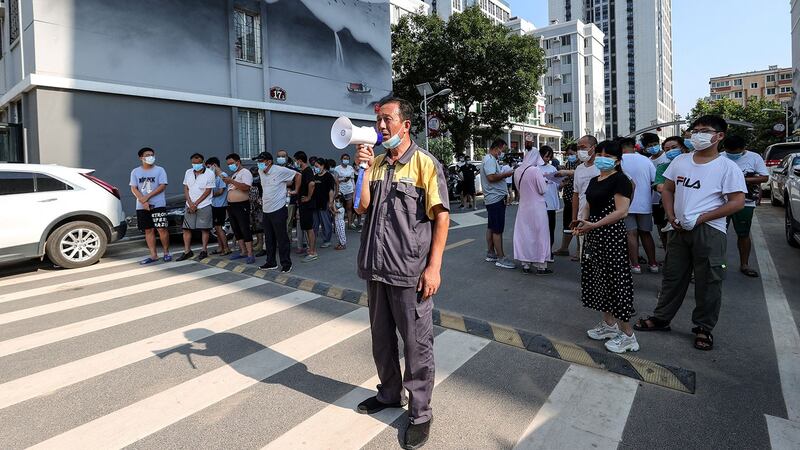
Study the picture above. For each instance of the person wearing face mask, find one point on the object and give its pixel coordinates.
(148, 183)
(567, 171)
(198, 182)
(406, 220)
(239, 182)
(606, 280)
(274, 180)
(306, 208)
(755, 172)
(495, 191)
(324, 195)
(219, 207)
(582, 176)
(468, 173)
(639, 220)
(531, 239)
(701, 189)
(673, 147)
(282, 159)
(346, 175)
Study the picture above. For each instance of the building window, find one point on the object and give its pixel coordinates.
(587, 43)
(737, 82)
(251, 132)
(588, 98)
(548, 99)
(457, 5)
(770, 91)
(566, 59)
(786, 76)
(737, 94)
(566, 40)
(569, 134)
(567, 97)
(549, 118)
(718, 84)
(567, 117)
(753, 85)
(566, 78)
(546, 44)
(786, 90)
(770, 78)
(586, 60)
(549, 62)
(248, 36)
(548, 81)
(13, 21)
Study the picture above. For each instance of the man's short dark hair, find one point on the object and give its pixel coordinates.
(677, 139)
(573, 147)
(734, 142)
(233, 156)
(497, 143)
(145, 149)
(406, 110)
(626, 142)
(649, 139)
(345, 154)
(331, 164)
(546, 150)
(609, 147)
(213, 160)
(312, 160)
(198, 156)
(711, 120)
(301, 156)
(592, 140)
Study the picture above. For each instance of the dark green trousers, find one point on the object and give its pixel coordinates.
(701, 250)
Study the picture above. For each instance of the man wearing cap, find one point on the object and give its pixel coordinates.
(274, 182)
(406, 215)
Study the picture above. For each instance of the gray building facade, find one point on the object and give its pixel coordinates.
(90, 82)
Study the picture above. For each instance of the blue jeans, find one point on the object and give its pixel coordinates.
(323, 219)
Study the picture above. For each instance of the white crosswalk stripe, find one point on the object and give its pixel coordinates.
(52, 335)
(38, 277)
(99, 297)
(90, 281)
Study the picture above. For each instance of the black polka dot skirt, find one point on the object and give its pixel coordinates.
(606, 280)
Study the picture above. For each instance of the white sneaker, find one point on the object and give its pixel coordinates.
(603, 331)
(653, 269)
(667, 228)
(623, 343)
(505, 263)
(491, 257)
(636, 270)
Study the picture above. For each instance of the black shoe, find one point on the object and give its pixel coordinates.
(185, 256)
(202, 255)
(268, 266)
(373, 405)
(260, 254)
(286, 269)
(417, 434)
(544, 271)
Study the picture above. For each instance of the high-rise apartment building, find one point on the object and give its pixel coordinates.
(795, 15)
(772, 84)
(574, 82)
(637, 58)
(399, 8)
(497, 10)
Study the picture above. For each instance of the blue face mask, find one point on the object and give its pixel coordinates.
(281, 161)
(198, 167)
(605, 164)
(654, 149)
(734, 156)
(572, 158)
(317, 170)
(262, 166)
(688, 144)
(672, 154)
(232, 167)
(392, 142)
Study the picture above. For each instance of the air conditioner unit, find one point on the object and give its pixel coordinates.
(556, 40)
(557, 78)
(557, 58)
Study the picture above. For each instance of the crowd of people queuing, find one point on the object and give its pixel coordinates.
(262, 204)
(615, 192)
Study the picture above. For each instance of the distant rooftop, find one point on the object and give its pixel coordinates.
(754, 72)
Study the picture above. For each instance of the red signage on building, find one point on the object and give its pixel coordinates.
(277, 93)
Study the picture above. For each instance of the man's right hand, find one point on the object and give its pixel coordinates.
(364, 154)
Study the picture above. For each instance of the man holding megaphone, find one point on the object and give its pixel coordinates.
(404, 200)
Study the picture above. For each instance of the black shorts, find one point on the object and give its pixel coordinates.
(468, 188)
(566, 216)
(659, 216)
(219, 215)
(306, 217)
(497, 216)
(152, 218)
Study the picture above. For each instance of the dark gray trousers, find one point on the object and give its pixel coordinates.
(398, 308)
(701, 250)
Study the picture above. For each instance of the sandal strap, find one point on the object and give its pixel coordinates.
(703, 330)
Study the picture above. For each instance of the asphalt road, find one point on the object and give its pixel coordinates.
(87, 359)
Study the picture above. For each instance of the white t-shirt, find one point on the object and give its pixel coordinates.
(750, 162)
(345, 176)
(655, 196)
(583, 175)
(198, 183)
(273, 186)
(242, 176)
(700, 188)
(639, 169)
(507, 168)
(551, 195)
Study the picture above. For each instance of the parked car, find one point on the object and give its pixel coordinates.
(63, 213)
(791, 196)
(780, 173)
(773, 156)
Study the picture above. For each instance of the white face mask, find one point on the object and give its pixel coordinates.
(701, 141)
(150, 160)
(583, 155)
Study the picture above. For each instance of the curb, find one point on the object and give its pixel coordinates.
(643, 370)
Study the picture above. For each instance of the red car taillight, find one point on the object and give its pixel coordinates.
(772, 162)
(111, 189)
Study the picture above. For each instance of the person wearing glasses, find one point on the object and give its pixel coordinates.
(700, 191)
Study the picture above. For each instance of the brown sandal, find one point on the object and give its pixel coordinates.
(703, 339)
(657, 324)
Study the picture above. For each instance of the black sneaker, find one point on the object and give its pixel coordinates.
(268, 266)
(260, 254)
(417, 434)
(286, 269)
(544, 271)
(372, 405)
(185, 256)
(202, 255)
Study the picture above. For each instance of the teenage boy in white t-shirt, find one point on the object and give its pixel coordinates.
(198, 182)
(700, 191)
(755, 172)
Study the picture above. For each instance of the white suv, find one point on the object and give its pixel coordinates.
(63, 213)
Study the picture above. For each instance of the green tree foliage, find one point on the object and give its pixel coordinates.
(762, 134)
(442, 148)
(494, 75)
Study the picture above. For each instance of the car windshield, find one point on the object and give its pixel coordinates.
(778, 152)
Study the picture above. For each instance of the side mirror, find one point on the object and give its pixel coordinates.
(796, 170)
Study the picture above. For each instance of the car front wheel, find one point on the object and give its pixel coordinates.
(790, 228)
(76, 244)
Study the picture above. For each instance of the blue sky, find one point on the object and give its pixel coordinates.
(710, 38)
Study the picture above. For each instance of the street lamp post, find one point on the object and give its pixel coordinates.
(425, 89)
(785, 111)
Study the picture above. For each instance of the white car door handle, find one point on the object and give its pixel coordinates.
(47, 200)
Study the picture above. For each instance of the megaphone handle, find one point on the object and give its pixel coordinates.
(361, 170)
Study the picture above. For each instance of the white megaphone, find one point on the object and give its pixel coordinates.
(344, 133)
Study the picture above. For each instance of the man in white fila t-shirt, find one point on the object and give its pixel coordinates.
(701, 190)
